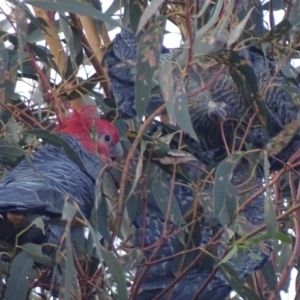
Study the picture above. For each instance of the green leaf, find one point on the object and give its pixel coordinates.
(224, 193)
(270, 276)
(70, 271)
(148, 13)
(237, 31)
(17, 284)
(229, 255)
(156, 150)
(148, 59)
(114, 7)
(270, 213)
(174, 93)
(117, 272)
(284, 238)
(255, 26)
(39, 223)
(11, 152)
(270, 217)
(4, 60)
(254, 256)
(136, 9)
(286, 251)
(43, 55)
(213, 19)
(74, 7)
(21, 22)
(34, 251)
(278, 31)
(160, 188)
(38, 22)
(138, 170)
(237, 283)
(283, 138)
(100, 213)
(74, 46)
(71, 286)
(94, 237)
(69, 211)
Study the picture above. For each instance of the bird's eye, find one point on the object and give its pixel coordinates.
(107, 138)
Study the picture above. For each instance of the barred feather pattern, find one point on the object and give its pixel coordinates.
(42, 185)
(121, 60)
(149, 230)
(220, 101)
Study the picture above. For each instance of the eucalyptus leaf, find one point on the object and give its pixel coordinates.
(224, 193)
(73, 7)
(237, 283)
(148, 59)
(35, 253)
(18, 285)
(117, 273)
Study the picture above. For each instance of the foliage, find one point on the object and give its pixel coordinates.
(52, 58)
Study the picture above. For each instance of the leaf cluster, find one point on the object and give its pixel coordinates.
(52, 57)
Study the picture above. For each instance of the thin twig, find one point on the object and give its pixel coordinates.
(296, 251)
(46, 85)
(130, 156)
(91, 56)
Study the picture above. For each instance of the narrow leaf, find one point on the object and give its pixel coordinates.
(281, 140)
(74, 7)
(148, 59)
(237, 31)
(34, 251)
(237, 283)
(136, 9)
(117, 272)
(229, 255)
(270, 214)
(21, 22)
(148, 13)
(160, 188)
(278, 31)
(225, 195)
(174, 93)
(70, 271)
(270, 276)
(17, 284)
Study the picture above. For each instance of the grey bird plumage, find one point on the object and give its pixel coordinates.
(221, 101)
(42, 186)
(218, 101)
(149, 231)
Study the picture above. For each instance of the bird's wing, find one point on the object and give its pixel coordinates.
(44, 183)
(164, 265)
(210, 103)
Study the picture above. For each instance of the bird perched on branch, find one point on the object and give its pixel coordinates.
(216, 92)
(42, 183)
(168, 244)
(171, 244)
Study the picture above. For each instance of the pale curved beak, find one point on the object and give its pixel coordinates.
(117, 151)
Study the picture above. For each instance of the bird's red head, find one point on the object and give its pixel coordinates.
(96, 135)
